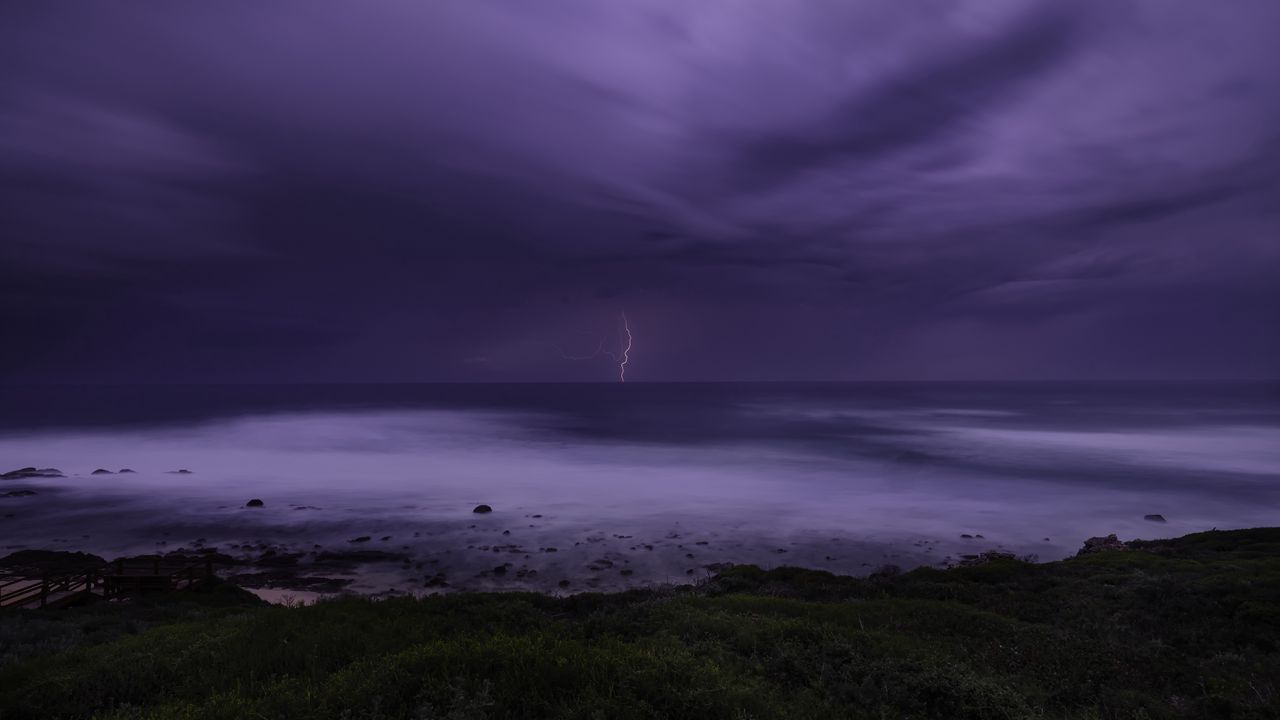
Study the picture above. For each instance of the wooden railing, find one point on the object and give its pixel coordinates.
(24, 590)
(35, 589)
(133, 576)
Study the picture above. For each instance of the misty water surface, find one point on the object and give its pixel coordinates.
(842, 477)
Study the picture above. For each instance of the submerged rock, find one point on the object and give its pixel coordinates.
(102, 471)
(1154, 518)
(351, 558)
(31, 472)
(19, 493)
(255, 502)
(125, 471)
(1102, 544)
(271, 559)
(287, 580)
(482, 509)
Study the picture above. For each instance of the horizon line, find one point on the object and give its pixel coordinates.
(899, 381)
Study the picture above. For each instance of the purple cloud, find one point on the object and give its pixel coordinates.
(348, 192)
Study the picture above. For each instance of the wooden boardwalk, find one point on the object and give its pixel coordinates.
(24, 589)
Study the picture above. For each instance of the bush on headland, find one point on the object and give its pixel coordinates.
(1183, 628)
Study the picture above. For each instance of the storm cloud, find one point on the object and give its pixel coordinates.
(405, 191)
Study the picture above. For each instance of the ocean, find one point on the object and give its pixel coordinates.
(631, 484)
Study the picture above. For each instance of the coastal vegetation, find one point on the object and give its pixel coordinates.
(1180, 628)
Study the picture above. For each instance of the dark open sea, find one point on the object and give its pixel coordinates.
(844, 477)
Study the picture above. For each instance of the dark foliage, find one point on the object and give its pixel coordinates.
(1169, 629)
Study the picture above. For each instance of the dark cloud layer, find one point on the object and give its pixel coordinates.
(242, 191)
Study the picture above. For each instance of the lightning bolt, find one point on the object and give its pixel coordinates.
(626, 351)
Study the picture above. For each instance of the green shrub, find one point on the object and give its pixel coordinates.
(1180, 628)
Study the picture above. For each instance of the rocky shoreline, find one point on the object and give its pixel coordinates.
(488, 547)
(320, 572)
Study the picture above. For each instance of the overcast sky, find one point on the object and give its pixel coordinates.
(479, 190)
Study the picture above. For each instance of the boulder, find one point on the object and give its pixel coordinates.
(125, 471)
(482, 509)
(102, 471)
(1154, 518)
(1102, 544)
(255, 502)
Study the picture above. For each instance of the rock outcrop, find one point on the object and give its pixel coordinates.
(1102, 544)
(986, 557)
